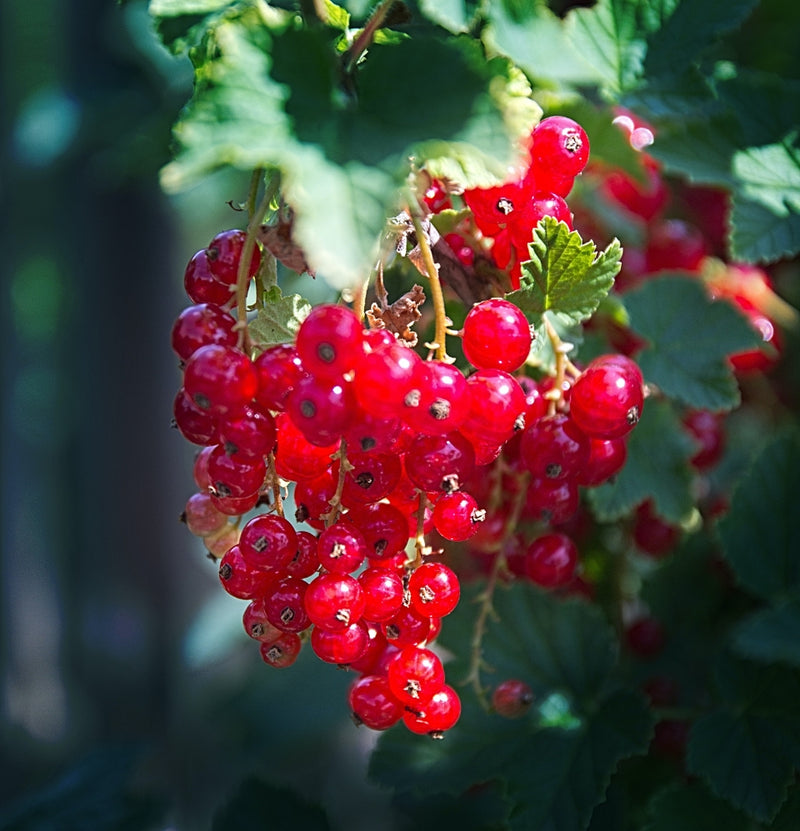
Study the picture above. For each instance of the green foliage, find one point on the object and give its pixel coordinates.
(747, 750)
(689, 338)
(565, 276)
(657, 468)
(580, 723)
(692, 808)
(259, 804)
(758, 533)
(278, 320)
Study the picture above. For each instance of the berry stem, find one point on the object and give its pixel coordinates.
(272, 477)
(563, 364)
(486, 604)
(420, 548)
(432, 272)
(335, 504)
(367, 34)
(255, 217)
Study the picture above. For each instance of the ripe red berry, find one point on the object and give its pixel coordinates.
(201, 325)
(235, 477)
(551, 559)
(279, 368)
(341, 547)
(383, 593)
(284, 602)
(440, 463)
(457, 516)
(434, 590)
(512, 698)
(329, 341)
(224, 253)
(437, 715)
(220, 380)
(373, 704)
(606, 400)
(651, 533)
(282, 652)
(554, 447)
(496, 335)
(559, 147)
(201, 285)
(415, 675)
(342, 646)
(334, 601)
(268, 541)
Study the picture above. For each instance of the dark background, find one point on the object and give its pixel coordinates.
(128, 690)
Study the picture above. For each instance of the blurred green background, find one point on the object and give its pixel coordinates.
(130, 696)
(128, 689)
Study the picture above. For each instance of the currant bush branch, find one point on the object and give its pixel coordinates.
(432, 272)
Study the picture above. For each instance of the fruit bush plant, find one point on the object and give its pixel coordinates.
(528, 471)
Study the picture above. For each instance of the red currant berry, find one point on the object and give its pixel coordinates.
(407, 628)
(334, 601)
(284, 603)
(373, 704)
(296, 458)
(235, 505)
(606, 458)
(240, 579)
(195, 425)
(342, 646)
(201, 285)
(341, 547)
(383, 377)
(558, 144)
(384, 527)
(440, 463)
(383, 593)
(652, 535)
(249, 436)
(496, 407)
(282, 652)
(224, 253)
(329, 341)
(436, 404)
(373, 476)
(256, 623)
(268, 541)
(512, 698)
(551, 560)
(201, 517)
(279, 368)
(437, 715)
(434, 590)
(457, 516)
(607, 398)
(235, 477)
(554, 448)
(220, 380)
(201, 325)
(305, 561)
(706, 427)
(552, 500)
(415, 675)
(496, 335)
(645, 637)
(322, 410)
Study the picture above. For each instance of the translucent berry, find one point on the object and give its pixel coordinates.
(220, 380)
(551, 559)
(334, 601)
(268, 541)
(342, 646)
(329, 341)
(201, 325)
(437, 715)
(434, 589)
(279, 368)
(606, 400)
(415, 675)
(457, 516)
(224, 253)
(373, 704)
(512, 698)
(285, 605)
(496, 335)
(282, 652)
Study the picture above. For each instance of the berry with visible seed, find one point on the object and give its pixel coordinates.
(434, 590)
(496, 335)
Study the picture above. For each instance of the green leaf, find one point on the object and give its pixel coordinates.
(454, 15)
(771, 635)
(279, 319)
(657, 467)
(560, 794)
(692, 808)
(746, 758)
(689, 338)
(565, 275)
(566, 651)
(272, 99)
(758, 533)
(760, 235)
(537, 43)
(692, 27)
(609, 38)
(748, 750)
(257, 804)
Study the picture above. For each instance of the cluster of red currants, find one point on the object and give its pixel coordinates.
(556, 152)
